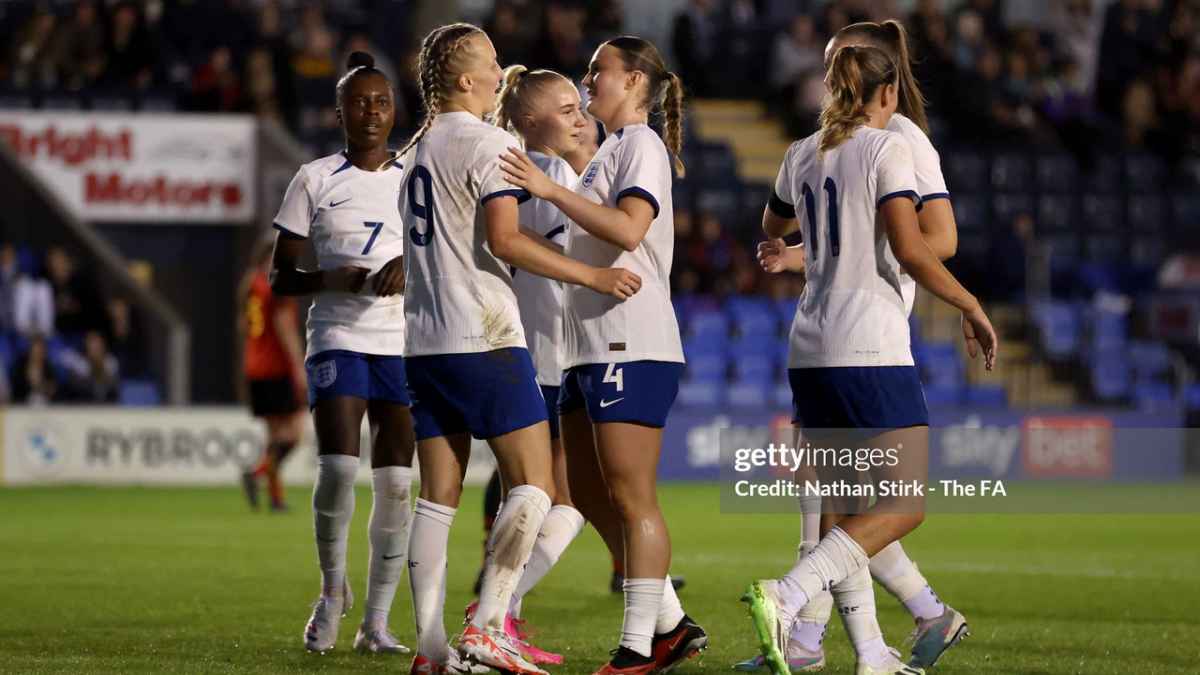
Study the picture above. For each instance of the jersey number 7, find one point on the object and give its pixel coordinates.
(810, 205)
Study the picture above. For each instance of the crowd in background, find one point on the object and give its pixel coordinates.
(61, 339)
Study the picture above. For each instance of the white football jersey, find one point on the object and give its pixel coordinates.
(851, 312)
(927, 166)
(599, 328)
(541, 298)
(459, 297)
(351, 217)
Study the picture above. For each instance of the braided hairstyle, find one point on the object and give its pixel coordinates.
(855, 73)
(664, 93)
(520, 88)
(440, 63)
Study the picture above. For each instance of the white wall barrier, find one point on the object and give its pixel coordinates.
(154, 446)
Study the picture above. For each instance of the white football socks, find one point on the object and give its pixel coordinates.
(642, 599)
(427, 576)
(855, 597)
(836, 557)
(896, 572)
(387, 530)
(808, 631)
(670, 611)
(562, 524)
(509, 548)
(333, 507)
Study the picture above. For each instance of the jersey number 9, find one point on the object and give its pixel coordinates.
(424, 211)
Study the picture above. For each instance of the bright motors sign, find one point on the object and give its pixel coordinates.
(140, 167)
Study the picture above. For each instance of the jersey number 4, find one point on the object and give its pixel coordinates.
(810, 206)
(425, 211)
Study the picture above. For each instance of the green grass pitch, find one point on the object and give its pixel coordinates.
(129, 580)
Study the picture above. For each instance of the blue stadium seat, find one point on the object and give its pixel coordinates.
(748, 393)
(139, 393)
(1149, 359)
(757, 366)
(1110, 376)
(1153, 394)
(1054, 211)
(701, 393)
(969, 169)
(943, 395)
(1185, 209)
(1108, 331)
(1103, 173)
(992, 395)
(940, 364)
(8, 350)
(1191, 397)
(1011, 171)
(1144, 173)
(705, 361)
(1148, 212)
(971, 211)
(785, 308)
(1008, 205)
(752, 315)
(781, 394)
(1102, 211)
(1059, 328)
(1057, 173)
(708, 323)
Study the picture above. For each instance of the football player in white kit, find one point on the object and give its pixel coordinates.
(850, 363)
(938, 626)
(542, 108)
(469, 371)
(343, 208)
(623, 360)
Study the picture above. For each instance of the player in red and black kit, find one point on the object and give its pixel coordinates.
(274, 368)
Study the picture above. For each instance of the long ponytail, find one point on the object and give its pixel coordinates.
(891, 37)
(855, 73)
(673, 122)
(664, 90)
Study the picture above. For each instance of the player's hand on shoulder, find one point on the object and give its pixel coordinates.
(615, 281)
(390, 279)
(521, 171)
(347, 279)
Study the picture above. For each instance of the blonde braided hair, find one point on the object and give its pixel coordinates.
(436, 70)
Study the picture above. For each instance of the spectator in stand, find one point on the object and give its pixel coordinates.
(260, 94)
(561, 47)
(1128, 36)
(1142, 129)
(693, 40)
(32, 380)
(77, 306)
(131, 54)
(125, 338)
(798, 53)
(31, 63)
(94, 376)
(511, 33)
(79, 46)
(970, 40)
(215, 85)
(33, 306)
(1076, 26)
(10, 273)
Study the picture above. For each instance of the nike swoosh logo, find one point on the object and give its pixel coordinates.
(605, 404)
(393, 557)
(334, 205)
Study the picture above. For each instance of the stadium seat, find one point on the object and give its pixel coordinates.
(781, 394)
(707, 323)
(1108, 331)
(1057, 173)
(1110, 376)
(1103, 173)
(941, 395)
(1008, 205)
(785, 309)
(940, 364)
(1185, 209)
(1149, 211)
(972, 211)
(1059, 328)
(701, 393)
(1149, 359)
(704, 361)
(759, 366)
(1102, 211)
(752, 315)
(1011, 171)
(139, 393)
(8, 350)
(1153, 395)
(749, 392)
(969, 169)
(993, 395)
(1191, 397)
(1054, 211)
(1144, 173)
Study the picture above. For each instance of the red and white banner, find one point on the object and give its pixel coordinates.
(126, 167)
